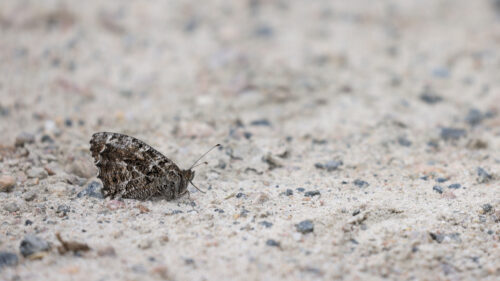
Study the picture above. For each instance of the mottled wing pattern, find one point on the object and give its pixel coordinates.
(129, 168)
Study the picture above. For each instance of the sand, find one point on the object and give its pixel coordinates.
(375, 122)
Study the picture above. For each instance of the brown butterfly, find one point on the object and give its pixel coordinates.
(130, 168)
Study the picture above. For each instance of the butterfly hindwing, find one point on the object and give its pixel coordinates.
(130, 168)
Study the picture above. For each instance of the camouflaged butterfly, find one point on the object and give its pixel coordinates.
(129, 168)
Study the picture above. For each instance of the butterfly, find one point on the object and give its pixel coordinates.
(130, 168)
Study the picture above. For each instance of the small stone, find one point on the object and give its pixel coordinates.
(438, 189)
(312, 193)
(93, 189)
(24, 138)
(301, 189)
(448, 134)
(289, 192)
(361, 183)
(437, 237)
(8, 259)
(441, 180)
(305, 226)
(7, 183)
(239, 195)
(454, 186)
(430, 97)
(28, 222)
(266, 224)
(63, 210)
(107, 252)
(37, 172)
(483, 176)
(260, 122)
(331, 165)
(487, 208)
(11, 207)
(47, 139)
(273, 243)
(403, 141)
(30, 195)
(474, 117)
(32, 244)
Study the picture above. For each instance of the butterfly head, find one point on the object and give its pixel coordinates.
(188, 176)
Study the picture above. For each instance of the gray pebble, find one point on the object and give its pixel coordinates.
(266, 224)
(331, 165)
(301, 189)
(487, 208)
(441, 180)
(454, 186)
(361, 183)
(260, 122)
(305, 226)
(403, 141)
(24, 138)
(312, 193)
(273, 243)
(32, 244)
(474, 117)
(483, 176)
(430, 97)
(11, 207)
(63, 210)
(93, 189)
(30, 195)
(289, 192)
(37, 172)
(437, 237)
(452, 133)
(8, 259)
(438, 189)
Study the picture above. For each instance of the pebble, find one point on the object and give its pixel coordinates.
(240, 194)
(429, 97)
(487, 208)
(289, 192)
(260, 122)
(30, 195)
(7, 183)
(273, 243)
(93, 189)
(403, 141)
(63, 210)
(483, 176)
(8, 259)
(452, 133)
(331, 165)
(361, 183)
(454, 186)
(301, 189)
(441, 180)
(32, 244)
(37, 172)
(438, 189)
(11, 207)
(312, 193)
(474, 117)
(305, 226)
(266, 224)
(24, 138)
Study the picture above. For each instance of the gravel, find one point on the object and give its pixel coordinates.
(361, 183)
(448, 134)
(305, 226)
(8, 259)
(93, 189)
(7, 183)
(32, 244)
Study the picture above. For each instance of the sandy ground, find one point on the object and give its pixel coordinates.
(375, 122)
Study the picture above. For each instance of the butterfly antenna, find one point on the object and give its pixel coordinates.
(217, 145)
(202, 163)
(197, 187)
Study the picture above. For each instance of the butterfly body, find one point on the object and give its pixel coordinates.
(130, 168)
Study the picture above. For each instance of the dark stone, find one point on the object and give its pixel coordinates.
(47, 139)
(452, 133)
(264, 31)
(289, 192)
(430, 97)
(312, 193)
(189, 261)
(28, 222)
(220, 211)
(300, 189)
(247, 135)
(266, 224)
(329, 166)
(260, 122)
(437, 237)
(8, 259)
(403, 141)
(68, 122)
(487, 208)
(305, 226)
(356, 212)
(483, 176)
(93, 189)
(32, 244)
(455, 186)
(273, 243)
(438, 189)
(441, 180)
(361, 183)
(474, 117)
(239, 195)
(63, 210)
